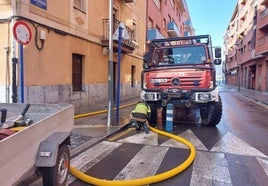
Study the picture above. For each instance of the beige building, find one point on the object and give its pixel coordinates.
(246, 48)
(66, 60)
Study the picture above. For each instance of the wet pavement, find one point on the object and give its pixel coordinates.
(92, 129)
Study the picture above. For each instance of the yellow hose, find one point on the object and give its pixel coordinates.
(142, 181)
(101, 111)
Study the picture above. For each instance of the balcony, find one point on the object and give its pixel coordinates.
(261, 45)
(128, 44)
(172, 30)
(153, 34)
(263, 19)
(187, 26)
(180, 4)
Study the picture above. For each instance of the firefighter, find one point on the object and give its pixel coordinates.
(140, 116)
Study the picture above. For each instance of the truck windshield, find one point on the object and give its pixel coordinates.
(193, 54)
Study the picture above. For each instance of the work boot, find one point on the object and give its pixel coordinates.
(134, 124)
(139, 127)
(145, 127)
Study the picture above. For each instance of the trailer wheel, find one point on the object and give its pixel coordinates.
(57, 175)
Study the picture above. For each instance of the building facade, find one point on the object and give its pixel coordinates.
(246, 47)
(58, 51)
(168, 18)
(66, 59)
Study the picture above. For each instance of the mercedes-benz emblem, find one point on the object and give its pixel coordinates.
(175, 81)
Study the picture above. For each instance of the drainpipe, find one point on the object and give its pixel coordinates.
(7, 75)
(14, 78)
(14, 59)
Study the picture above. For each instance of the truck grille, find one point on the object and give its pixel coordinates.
(185, 81)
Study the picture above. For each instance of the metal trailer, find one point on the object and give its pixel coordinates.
(41, 148)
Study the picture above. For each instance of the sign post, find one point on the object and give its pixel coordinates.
(118, 73)
(119, 34)
(23, 35)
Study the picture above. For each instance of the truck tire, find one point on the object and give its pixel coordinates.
(164, 114)
(153, 118)
(57, 175)
(211, 113)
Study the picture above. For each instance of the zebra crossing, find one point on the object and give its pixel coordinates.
(149, 156)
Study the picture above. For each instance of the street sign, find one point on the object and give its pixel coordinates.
(22, 32)
(125, 34)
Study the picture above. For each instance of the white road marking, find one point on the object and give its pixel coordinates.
(142, 138)
(234, 145)
(264, 165)
(145, 163)
(92, 156)
(210, 169)
(188, 135)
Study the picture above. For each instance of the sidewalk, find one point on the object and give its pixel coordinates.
(89, 130)
(260, 98)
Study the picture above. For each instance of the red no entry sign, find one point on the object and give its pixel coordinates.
(22, 32)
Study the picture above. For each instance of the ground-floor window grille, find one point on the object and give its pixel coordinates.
(133, 74)
(77, 65)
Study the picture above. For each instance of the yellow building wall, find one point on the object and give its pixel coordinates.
(48, 68)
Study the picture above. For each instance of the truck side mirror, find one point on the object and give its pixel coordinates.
(217, 52)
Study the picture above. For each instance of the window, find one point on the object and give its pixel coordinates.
(158, 4)
(77, 72)
(164, 24)
(180, 55)
(134, 31)
(133, 75)
(150, 24)
(80, 5)
(172, 3)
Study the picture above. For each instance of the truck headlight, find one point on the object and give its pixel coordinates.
(202, 97)
(150, 96)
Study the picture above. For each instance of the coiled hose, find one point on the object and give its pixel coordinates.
(142, 181)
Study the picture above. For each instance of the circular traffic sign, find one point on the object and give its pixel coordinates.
(22, 32)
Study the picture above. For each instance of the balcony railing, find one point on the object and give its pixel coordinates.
(261, 46)
(128, 44)
(172, 29)
(153, 34)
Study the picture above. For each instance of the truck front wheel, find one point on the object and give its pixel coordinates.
(57, 175)
(211, 113)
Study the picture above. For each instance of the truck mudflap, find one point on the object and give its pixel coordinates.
(48, 150)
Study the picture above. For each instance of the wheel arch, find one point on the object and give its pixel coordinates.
(48, 149)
